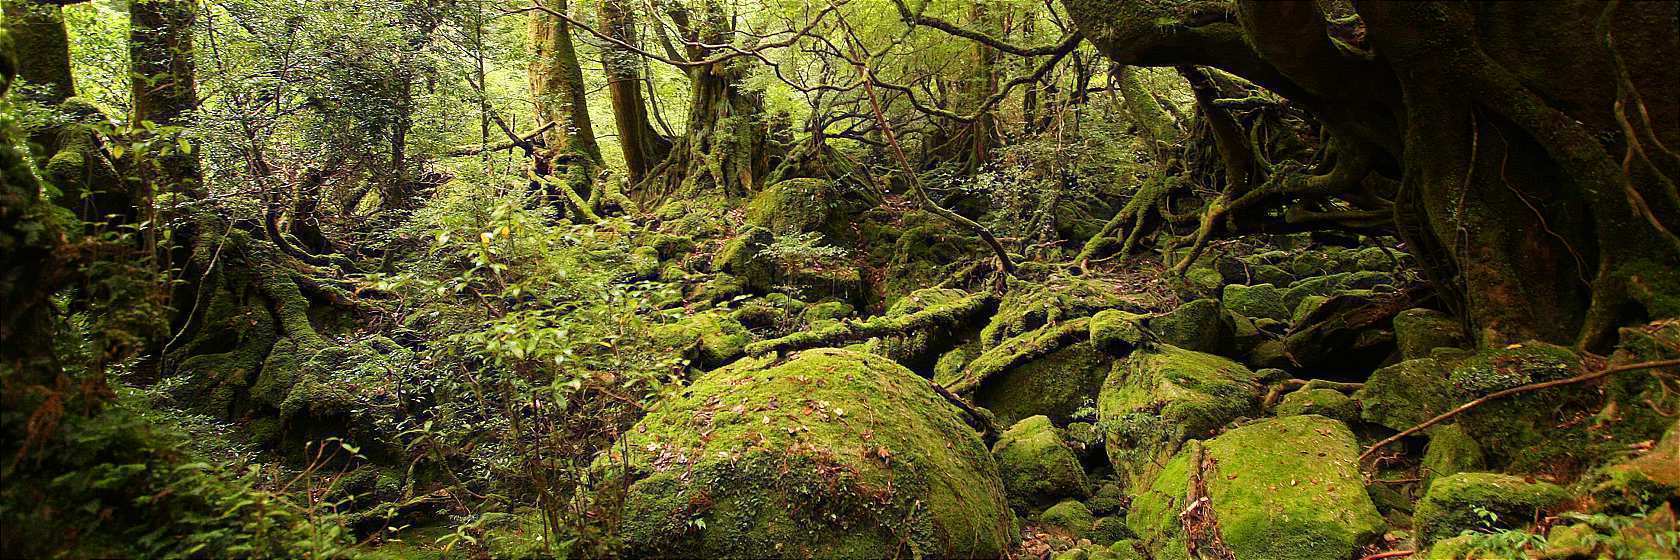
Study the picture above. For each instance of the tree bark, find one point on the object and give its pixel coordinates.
(643, 147)
(568, 149)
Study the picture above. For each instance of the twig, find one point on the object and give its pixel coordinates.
(1390, 554)
(1529, 388)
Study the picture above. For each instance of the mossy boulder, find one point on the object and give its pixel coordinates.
(1117, 332)
(1056, 385)
(1280, 488)
(1109, 530)
(826, 312)
(1451, 505)
(1304, 309)
(1069, 517)
(1419, 331)
(1323, 402)
(743, 257)
(1520, 433)
(1037, 468)
(644, 263)
(707, 339)
(1260, 301)
(796, 206)
(1029, 307)
(1405, 394)
(1450, 451)
(832, 454)
(1201, 325)
(1161, 396)
(1107, 499)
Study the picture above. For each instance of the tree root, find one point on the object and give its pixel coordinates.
(950, 315)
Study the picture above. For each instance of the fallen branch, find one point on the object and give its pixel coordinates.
(1529, 388)
(948, 315)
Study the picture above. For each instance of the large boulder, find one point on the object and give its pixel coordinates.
(1405, 394)
(1260, 301)
(833, 454)
(1161, 396)
(1038, 469)
(1323, 402)
(1418, 331)
(1282, 488)
(1201, 325)
(1450, 451)
(1458, 503)
(796, 206)
(1056, 385)
(707, 340)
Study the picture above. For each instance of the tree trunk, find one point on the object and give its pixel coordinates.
(43, 47)
(568, 150)
(160, 46)
(643, 146)
(726, 150)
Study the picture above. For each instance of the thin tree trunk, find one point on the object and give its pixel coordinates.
(643, 146)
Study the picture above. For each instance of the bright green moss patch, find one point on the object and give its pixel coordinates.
(1260, 301)
(707, 339)
(1323, 402)
(1404, 394)
(1418, 331)
(1070, 517)
(1282, 488)
(1200, 325)
(832, 454)
(1450, 451)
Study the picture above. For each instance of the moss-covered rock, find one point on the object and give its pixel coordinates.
(1160, 397)
(1260, 301)
(1450, 451)
(1108, 499)
(1308, 305)
(1452, 503)
(1405, 394)
(708, 339)
(826, 312)
(1418, 331)
(1109, 530)
(833, 454)
(644, 263)
(1056, 385)
(1117, 332)
(1323, 402)
(1070, 517)
(1037, 468)
(795, 206)
(1281, 488)
(1030, 307)
(1201, 325)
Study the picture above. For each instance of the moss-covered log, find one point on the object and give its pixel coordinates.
(950, 315)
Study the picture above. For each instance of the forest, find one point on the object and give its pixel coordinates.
(1046, 280)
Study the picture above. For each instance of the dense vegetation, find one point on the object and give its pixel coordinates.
(1088, 279)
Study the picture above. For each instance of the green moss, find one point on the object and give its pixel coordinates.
(1260, 301)
(1030, 307)
(1056, 385)
(1159, 397)
(1643, 483)
(742, 257)
(795, 206)
(1070, 517)
(1116, 332)
(1109, 530)
(1450, 451)
(831, 454)
(1450, 507)
(1419, 331)
(1201, 325)
(1281, 488)
(644, 262)
(1308, 305)
(1037, 467)
(708, 339)
(1323, 402)
(1405, 394)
